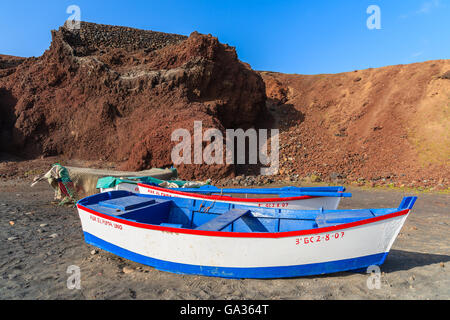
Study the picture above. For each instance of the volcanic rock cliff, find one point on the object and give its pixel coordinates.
(117, 93)
(384, 126)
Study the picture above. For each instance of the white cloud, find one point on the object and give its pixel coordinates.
(426, 8)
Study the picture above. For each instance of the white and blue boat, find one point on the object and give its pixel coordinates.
(194, 236)
(295, 198)
(301, 198)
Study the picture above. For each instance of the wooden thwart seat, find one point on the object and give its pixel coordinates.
(331, 219)
(222, 221)
(132, 202)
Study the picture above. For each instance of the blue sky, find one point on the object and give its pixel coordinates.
(302, 36)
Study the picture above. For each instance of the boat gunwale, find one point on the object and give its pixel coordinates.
(228, 234)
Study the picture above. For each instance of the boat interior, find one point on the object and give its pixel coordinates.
(225, 217)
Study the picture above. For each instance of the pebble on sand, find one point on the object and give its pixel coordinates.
(127, 270)
(43, 225)
(94, 252)
(12, 238)
(53, 235)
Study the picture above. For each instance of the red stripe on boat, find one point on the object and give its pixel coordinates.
(246, 234)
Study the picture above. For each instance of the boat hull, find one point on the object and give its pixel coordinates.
(299, 203)
(345, 247)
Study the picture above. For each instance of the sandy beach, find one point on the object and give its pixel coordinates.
(40, 241)
(233, 94)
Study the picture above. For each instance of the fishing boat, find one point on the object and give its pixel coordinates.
(295, 198)
(107, 184)
(286, 190)
(235, 241)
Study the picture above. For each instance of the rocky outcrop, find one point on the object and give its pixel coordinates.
(387, 126)
(94, 38)
(115, 93)
(8, 64)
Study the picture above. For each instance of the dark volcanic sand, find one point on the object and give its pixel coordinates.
(34, 266)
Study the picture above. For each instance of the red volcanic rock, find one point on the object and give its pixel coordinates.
(386, 123)
(117, 94)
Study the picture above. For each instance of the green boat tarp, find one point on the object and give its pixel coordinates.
(111, 182)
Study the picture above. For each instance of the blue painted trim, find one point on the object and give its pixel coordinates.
(240, 273)
(407, 203)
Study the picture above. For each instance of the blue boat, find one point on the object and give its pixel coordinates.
(287, 198)
(192, 236)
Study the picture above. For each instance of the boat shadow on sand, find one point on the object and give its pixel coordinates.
(399, 260)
